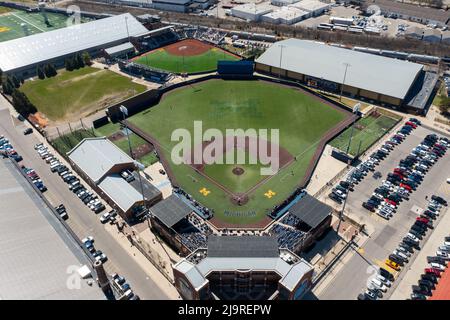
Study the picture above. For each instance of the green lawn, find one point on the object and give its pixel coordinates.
(10, 23)
(301, 119)
(366, 132)
(79, 92)
(207, 61)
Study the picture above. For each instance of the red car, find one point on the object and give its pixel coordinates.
(424, 220)
(399, 171)
(400, 176)
(405, 186)
(434, 271)
(409, 123)
(391, 202)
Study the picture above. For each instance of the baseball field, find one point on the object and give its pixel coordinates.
(11, 22)
(70, 95)
(239, 194)
(186, 56)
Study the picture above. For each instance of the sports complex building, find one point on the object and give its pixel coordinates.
(247, 267)
(391, 82)
(22, 56)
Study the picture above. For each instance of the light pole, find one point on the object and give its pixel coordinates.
(341, 213)
(346, 64)
(281, 58)
(124, 111)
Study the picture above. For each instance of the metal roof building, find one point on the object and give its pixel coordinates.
(97, 156)
(38, 255)
(310, 210)
(170, 210)
(100, 161)
(24, 54)
(369, 76)
(227, 258)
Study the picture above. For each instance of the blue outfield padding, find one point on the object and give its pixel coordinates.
(243, 67)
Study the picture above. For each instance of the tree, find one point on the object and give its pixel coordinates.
(68, 64)
(49, 70)
(444, 106)
(7, 88)
(79, 60)
(22, 104)
(40, 72)
(86, 58)
(15, 82)
(52, 70)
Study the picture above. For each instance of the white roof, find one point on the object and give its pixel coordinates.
(45, 46)
(311, 5)
(286, 13)
(121, 192)
(96, 156)
(252, 8)
(379, 74)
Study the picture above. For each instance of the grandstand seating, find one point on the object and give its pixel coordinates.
(287, 237)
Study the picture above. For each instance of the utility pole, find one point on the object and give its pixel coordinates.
(281, 58)
(341, 214)
(124, 112)
(350, 138)
(346, 64)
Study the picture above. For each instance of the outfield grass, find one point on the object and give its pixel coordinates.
(366, 132)
(301, 119)
(207, 61)
(10, 23)
(75, 93)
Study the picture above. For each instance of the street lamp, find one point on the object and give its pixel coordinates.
(124, 112)
(281, 57)
(346, 64)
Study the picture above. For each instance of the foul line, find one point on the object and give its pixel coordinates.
(24, 20)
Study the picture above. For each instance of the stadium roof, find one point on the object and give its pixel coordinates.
(41, 47)
(246, 246)
(121, 48)
(96, 156)
(310, 210)
(374, 73)
(170, 210)
(121, 192)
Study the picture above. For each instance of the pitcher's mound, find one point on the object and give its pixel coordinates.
(238, 171)
(239, 199)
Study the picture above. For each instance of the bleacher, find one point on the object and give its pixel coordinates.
(287, 237)
(151, 74)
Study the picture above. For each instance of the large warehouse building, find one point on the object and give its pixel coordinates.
(22, 56)
(237, 268)
(390, 82)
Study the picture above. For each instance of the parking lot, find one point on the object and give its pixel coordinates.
(385, 235)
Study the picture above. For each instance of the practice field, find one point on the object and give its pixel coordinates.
(11, 23)
(71, 95)
(190, 56)
(302, 120)
(366, 132)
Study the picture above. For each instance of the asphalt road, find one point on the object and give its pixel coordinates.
(352, 279)
(81, 219)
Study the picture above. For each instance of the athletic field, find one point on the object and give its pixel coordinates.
(11, 23)
(186, 56)
(366, 132)
(71, 95)
(302, 120)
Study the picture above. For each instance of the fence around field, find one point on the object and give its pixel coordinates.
(363, 139)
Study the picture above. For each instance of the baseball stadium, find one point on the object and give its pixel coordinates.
(238, 194)
(186, 56)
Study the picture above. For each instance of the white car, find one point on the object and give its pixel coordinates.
(105, 217)
(340, 193)
(437, 266)
(384, 280)
(443, 254)
(88, 238)
(378, 284)
(404, 251)
(401, 255)
(412, 237)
